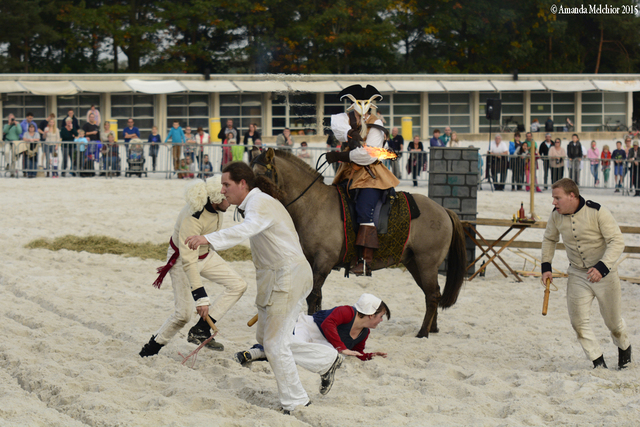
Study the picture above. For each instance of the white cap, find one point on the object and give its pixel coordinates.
(368, 304)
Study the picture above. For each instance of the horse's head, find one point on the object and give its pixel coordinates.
(265, 165)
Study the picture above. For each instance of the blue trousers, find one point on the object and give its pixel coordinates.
(366, 204)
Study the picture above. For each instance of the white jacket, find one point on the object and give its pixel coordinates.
(275, 245)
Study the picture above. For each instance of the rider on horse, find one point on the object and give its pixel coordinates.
(357, 129)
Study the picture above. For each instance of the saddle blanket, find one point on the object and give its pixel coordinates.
(392, 243)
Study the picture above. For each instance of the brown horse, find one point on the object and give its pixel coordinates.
(316, 212)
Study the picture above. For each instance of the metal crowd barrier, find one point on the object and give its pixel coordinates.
(513, 172)
(96, 159)
(126, 159)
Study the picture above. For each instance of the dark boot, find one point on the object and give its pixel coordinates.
(368, 239)
(599, 362)
(624, 357)
(151, 348)
(200, 332)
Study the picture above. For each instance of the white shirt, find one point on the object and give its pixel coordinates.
(498, 149)
(375, 138)
(268, 225)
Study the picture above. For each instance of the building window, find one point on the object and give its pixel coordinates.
(449, 109)
(512, 111)
(557, 105)
(600, 108)
(80, 104)
(297, 111)
(242, 109)
(20, 105)
(190, 110)
(138, 107)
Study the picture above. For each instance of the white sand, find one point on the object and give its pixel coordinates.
(72, 324)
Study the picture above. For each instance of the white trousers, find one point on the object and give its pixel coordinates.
(276, 322)
(580, 295)
(307, 330)
(212, 268)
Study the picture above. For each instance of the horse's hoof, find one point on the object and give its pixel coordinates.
(422, 335)
(434, 330)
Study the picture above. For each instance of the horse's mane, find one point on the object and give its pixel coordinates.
(289, 156)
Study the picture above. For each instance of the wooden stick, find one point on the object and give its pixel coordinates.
(212, 325)
(253, 321)
(547, 291)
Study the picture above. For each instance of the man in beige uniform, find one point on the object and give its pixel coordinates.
(593, 242)
(201, 215)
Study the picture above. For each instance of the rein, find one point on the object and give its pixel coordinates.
(273, 172)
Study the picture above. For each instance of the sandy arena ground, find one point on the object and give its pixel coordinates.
(72, 324)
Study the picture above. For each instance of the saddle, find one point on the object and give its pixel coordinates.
(392, 217)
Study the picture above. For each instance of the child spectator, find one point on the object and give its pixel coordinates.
(606, 165)
(594, 156)
(618, 156)
(54, 164)
(191, 167)
(81, 146)
(155, 139)
(183, 167)
(227, 155)
(436, 141)
(207, 168)
(304, 154)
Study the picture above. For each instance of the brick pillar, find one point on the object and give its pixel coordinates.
(453, 184)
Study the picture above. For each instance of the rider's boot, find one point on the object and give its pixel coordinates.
(368, 239)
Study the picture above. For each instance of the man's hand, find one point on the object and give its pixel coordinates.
(594, 275)
(203, 311)
(337, 156)
(547, 275)
(351, 353)
(195, 241)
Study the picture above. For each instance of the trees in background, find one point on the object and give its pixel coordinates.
(316, 36)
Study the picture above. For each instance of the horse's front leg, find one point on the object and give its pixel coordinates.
(314, 300)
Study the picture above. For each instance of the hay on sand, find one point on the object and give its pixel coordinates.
(109, 245)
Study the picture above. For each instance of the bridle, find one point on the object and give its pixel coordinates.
(273, 172)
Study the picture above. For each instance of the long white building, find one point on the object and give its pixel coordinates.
(304, 102)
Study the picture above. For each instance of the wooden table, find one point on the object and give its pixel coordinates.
(471, 230)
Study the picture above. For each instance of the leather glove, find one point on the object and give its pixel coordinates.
(354, 139)
(337, 156)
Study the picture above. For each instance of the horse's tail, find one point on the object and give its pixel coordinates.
(456, 263)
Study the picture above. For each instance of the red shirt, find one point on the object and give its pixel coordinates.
(340, 316)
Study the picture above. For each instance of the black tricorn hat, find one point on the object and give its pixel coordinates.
(359, 92)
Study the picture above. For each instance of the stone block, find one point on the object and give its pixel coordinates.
(472, 179)
(473, 193)
(436, 154)
(438, 178)
(469, 206)
(438, 200)
(473, 166)
(439, 191)
(451, 203)
(470, 154)
(452, 154)
(456, 179)
(458, 191)
(438, 166)
(460, 166)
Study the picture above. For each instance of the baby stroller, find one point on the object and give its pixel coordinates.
(136, 160)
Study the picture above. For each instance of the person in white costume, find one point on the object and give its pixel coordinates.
(593, 242)
(202, 214)
(283, 277)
